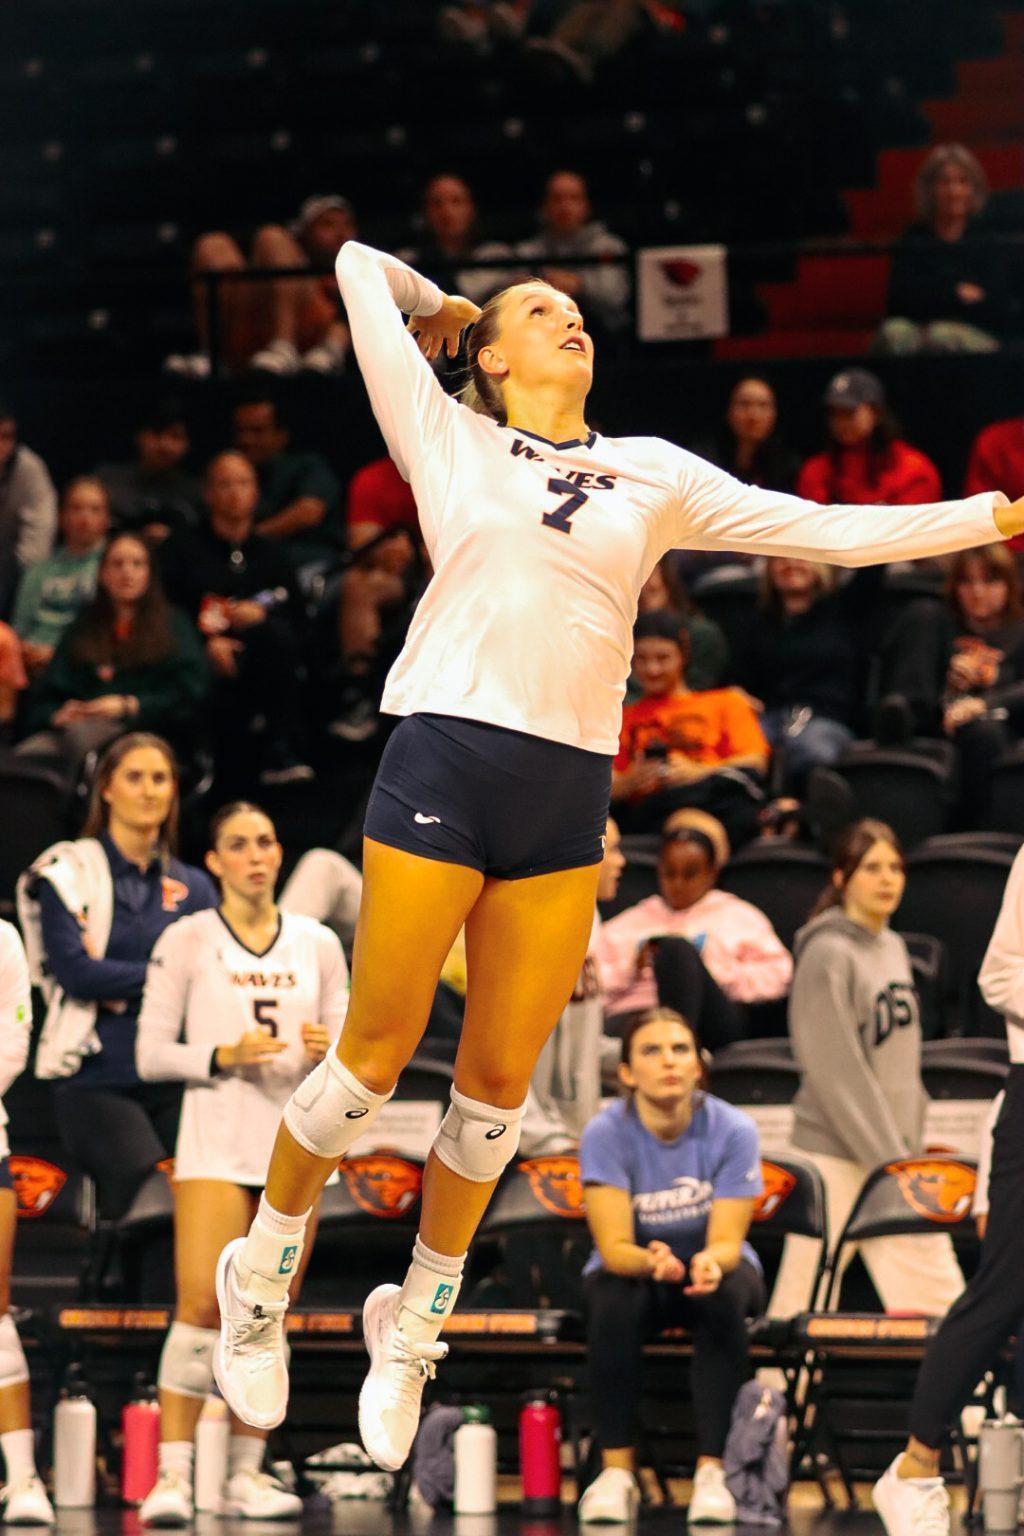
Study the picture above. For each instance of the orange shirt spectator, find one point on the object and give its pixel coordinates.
(708, 728)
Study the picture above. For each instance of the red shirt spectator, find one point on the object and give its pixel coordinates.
(865, 463)
(997, 459)
(378, 495)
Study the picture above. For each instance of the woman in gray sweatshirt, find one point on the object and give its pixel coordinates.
(855, 1026)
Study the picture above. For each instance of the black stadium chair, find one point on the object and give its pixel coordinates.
(783, 879)
(907, 789)
(1007, 809)
(35, 806)
(368, 1221)
(537, 1225)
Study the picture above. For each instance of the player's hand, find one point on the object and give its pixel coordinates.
(316, 1041)
(253, 1049)
(1010, 519)
(667, 1268)
(432, 332)
(222, 652)
(705, 1276)
(962, 712)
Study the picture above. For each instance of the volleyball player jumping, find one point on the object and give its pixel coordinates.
(492, 794)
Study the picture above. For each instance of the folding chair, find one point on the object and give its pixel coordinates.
(368, 1221)
(783, 879)
(909, 789)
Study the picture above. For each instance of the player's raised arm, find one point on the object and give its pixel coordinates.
(717, 512)
(411, 408)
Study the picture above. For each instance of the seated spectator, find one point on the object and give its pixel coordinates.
(805, 660)
(378, 498)
(997, 461)
(947, 288)
(679, 747)
(28, 508)
(379, 591)
(451, 236)
(570, 231)
(693, 947)
(864, 462)
(240, 591)
(855, 1025)
(285, 324)
(153, 494)
(708, 656)
(590, 31)
(748, 444)
(670, 1175)
(91, 911)
(958, 668)
(53, 592)
(299, 492)
(128, 659)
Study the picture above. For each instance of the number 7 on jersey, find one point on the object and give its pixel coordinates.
(560, 518)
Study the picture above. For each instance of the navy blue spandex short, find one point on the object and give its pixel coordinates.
(505, 803)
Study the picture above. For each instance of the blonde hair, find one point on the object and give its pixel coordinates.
(936, 162)
(769, 597)
(482, 391)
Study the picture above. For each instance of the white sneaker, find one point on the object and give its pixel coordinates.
(912, 1506)
(612, 1498)
(189, 365)
(168, 1502)
(327, 357)
(279, 356)
(248, 1357)
(252, 1495)
(389, 1403)
(711, 1503)
(26, 1503)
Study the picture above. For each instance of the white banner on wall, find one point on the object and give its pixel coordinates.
(682, 293)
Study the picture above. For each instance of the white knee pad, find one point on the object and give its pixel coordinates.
(478, 1140)
(13, 1365)
(331, 1109)
(186, 1360)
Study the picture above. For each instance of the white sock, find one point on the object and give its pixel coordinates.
(19, 1448)
(245, 1454)
(271, 1253)
(429, 1292)
(177, 1458)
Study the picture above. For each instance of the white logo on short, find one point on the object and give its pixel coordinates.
(424, 820)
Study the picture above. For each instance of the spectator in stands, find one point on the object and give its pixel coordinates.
(378, 594)
(997, 456)
(128, 658)
(242, 1033)
(569, 232)
(299, 492)
(679, 747)
(670, 1175)
(53, 592)
(804, 660)
(864, 462)
(855, 1025)
(958, 668)
(240, 591)
(23, 1500)
(378, 498)
(152, 494)
(28, 508)
(91, 911)
(587, 32)
(285, 324)
(692, 947)
(748, 444)
(451, 236)
(708, 655)
(947, 288)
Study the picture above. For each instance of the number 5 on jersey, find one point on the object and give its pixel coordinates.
(560, 518)
(264, 1013)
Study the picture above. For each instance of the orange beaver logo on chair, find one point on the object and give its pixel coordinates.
(941, 1192)
(555, 1182)
(779, 1184)
(37, 1184)
(382, 1184)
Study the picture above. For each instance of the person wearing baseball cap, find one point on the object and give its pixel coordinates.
(864, 462)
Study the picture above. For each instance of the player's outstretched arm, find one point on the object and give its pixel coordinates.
(1010, 519)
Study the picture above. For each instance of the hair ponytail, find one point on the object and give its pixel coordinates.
(482, 392)
(855, 842)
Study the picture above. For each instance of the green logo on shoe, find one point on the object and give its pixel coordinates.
(442, 1297)
(288, 1259)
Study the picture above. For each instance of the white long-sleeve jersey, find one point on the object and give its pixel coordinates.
(1001, 978)
(540, 549)
(15, 1016)
(204, 988)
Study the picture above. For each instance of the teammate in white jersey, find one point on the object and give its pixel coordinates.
(23, 1499)
(240, 1002)
(492, 795)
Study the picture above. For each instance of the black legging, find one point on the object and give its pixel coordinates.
(118, 1135)
(622, 1313)
(989, 1310)
(685, 984)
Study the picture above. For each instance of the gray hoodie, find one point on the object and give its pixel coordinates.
(856, 1031)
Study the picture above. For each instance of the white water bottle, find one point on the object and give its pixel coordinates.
(213, 1432)
(476, 1463)
(74, 1450)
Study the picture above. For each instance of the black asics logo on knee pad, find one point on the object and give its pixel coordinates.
(496, 1131)
(355, 1114)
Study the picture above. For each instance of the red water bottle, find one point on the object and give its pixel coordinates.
(140, 1444)
(540, 1441)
